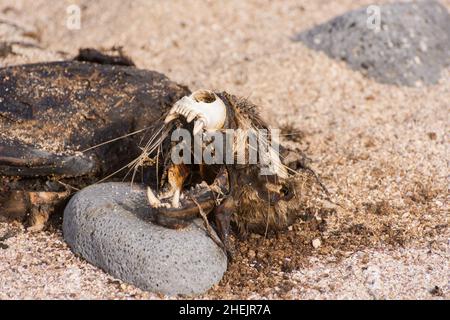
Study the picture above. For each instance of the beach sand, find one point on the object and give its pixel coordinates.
(381, 150)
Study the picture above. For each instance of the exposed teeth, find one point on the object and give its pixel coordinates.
(191, 116)
(204, 106)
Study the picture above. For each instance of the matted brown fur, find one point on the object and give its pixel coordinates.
(253, 212)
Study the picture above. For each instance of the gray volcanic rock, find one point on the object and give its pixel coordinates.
(108, 225)
(411, 46)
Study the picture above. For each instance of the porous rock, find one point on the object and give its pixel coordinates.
(109, 225)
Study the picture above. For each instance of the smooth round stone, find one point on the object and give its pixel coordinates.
(108, 225)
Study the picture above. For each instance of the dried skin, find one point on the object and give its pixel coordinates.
(50, 112)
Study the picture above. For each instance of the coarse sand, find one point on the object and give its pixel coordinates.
(381, 150)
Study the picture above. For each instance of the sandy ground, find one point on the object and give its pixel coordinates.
(381, 150)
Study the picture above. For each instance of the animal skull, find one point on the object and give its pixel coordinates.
(209, 112)
(205, 106)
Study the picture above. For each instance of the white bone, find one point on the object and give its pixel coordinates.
(152, 199)
(170, 117)
(198, 126)
(191, 116)
(209, 115)
(176, 198)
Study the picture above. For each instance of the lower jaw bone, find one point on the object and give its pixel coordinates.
(154, 201)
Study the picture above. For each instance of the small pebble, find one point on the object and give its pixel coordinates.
(316, 243)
